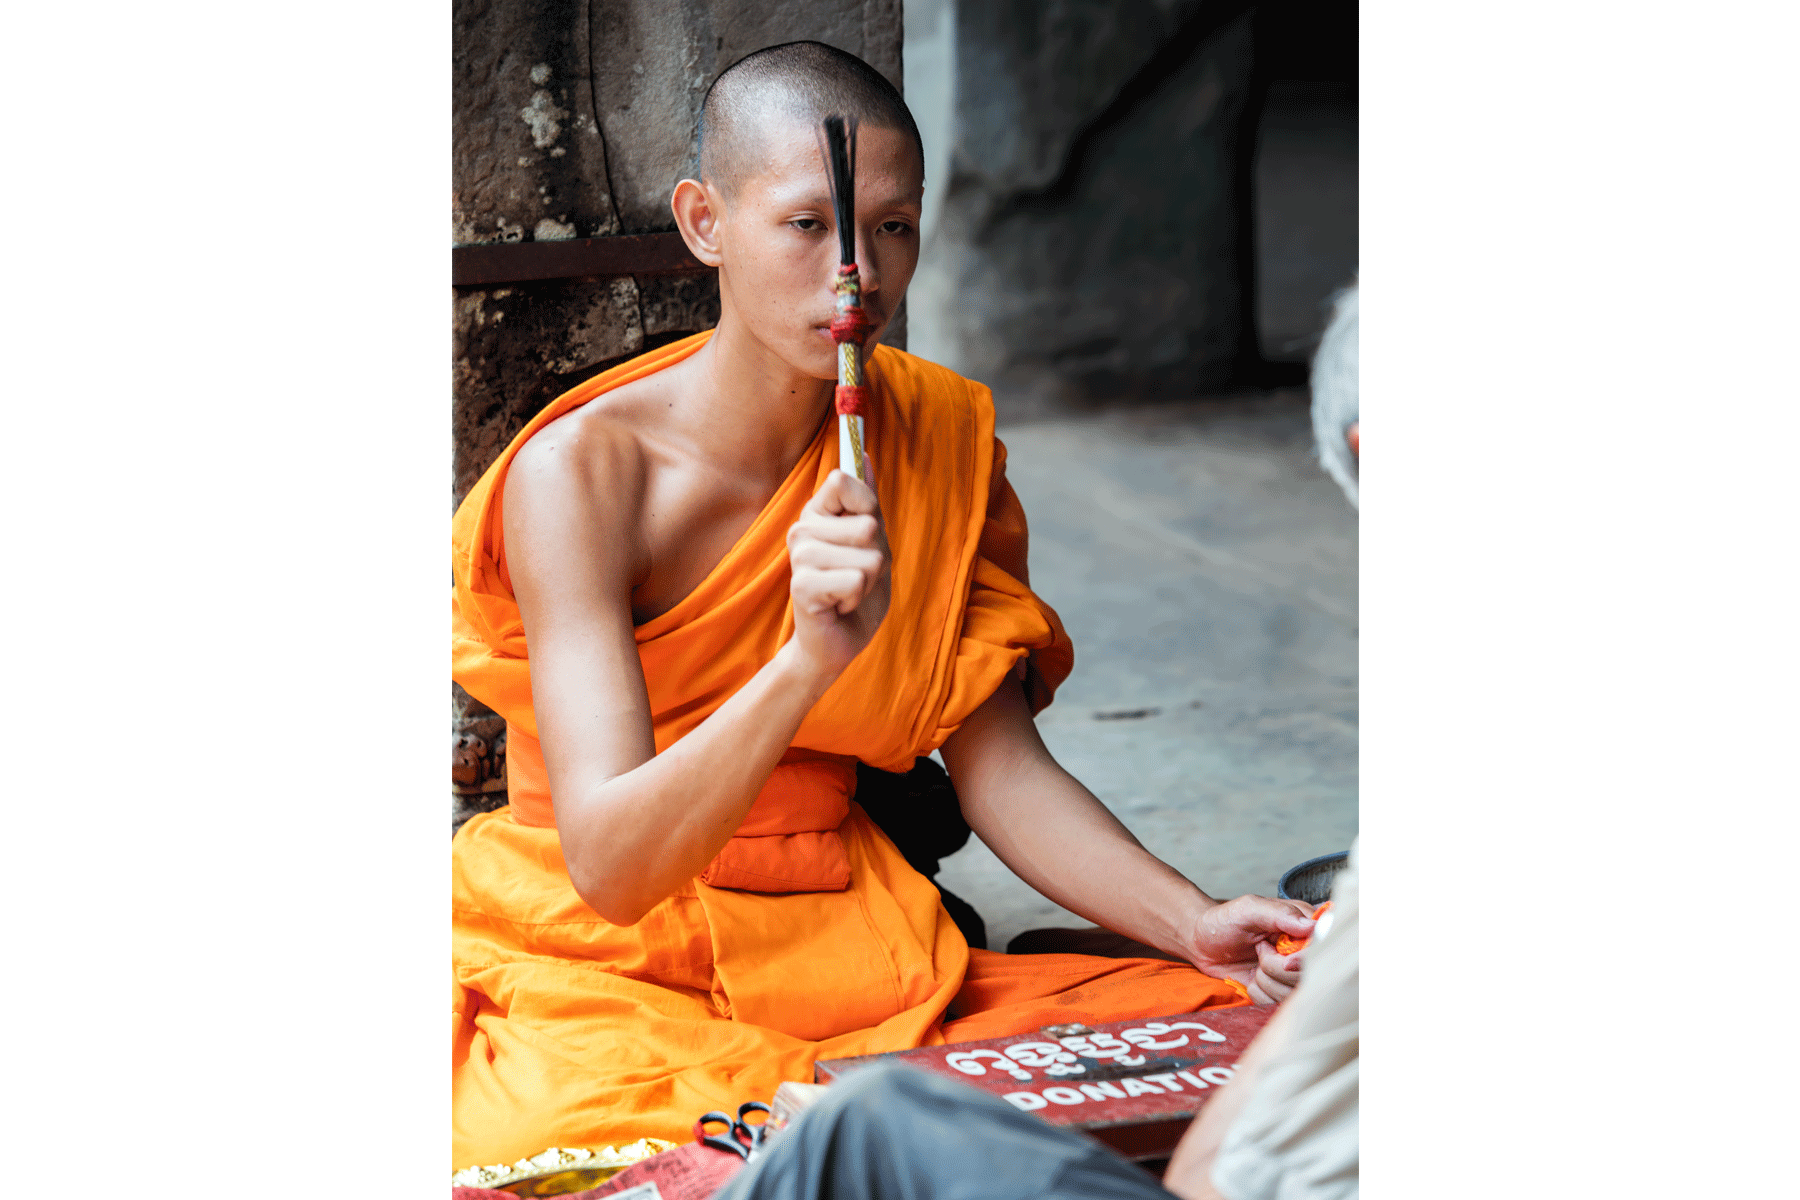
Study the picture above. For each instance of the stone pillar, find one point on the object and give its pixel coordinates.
(575, 119)
(1092, 244)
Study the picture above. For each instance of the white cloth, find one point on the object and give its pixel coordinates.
(1335, 406)
(1296, 1137)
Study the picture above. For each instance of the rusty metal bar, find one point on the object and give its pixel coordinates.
(499, 263)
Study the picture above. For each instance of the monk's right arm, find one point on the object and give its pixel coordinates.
(631, 837)
(634, 825)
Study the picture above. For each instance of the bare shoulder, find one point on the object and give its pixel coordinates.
(575, 491)
(608, 446)
(588, 452)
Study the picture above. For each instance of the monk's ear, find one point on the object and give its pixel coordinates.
(697, 211)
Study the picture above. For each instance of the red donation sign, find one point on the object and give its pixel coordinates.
(1134, 1085)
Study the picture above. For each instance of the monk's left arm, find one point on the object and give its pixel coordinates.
(1059, 838)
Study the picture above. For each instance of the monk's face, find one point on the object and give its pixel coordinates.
(778, 246)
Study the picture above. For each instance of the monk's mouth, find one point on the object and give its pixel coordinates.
(876, 322)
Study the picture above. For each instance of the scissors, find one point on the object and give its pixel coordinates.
(740, 1137)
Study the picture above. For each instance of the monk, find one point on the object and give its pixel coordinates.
(695, 627)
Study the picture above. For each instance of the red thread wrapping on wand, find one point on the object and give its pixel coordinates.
(850, 325)
(853, 401)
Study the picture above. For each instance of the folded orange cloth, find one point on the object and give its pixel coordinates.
(1286, 944)
(809, 936)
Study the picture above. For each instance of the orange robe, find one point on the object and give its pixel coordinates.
(810, 936)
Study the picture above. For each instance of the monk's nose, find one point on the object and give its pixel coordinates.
(865, 266)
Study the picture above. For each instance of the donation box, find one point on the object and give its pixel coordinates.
(1134, 1085)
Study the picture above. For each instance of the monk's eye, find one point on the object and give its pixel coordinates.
(896, 228)
(808, 225)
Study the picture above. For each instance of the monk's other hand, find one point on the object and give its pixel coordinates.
(838, 553)
(1236, 940)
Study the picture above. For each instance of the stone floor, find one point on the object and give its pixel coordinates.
(1206, 569)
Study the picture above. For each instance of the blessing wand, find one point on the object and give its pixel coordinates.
(851, 326)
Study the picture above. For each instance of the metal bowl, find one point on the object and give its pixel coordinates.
(1311, 880)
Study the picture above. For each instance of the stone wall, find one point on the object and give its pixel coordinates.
(517, 348)
(659, 58)
(477, 758)
(1092, 243)
(575, 119)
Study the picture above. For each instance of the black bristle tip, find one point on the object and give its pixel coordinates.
(840, 169)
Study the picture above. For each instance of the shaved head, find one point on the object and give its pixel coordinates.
(798, 81)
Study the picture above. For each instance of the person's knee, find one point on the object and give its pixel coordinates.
(876, 1092)
(872, 1099)
(893, 1130)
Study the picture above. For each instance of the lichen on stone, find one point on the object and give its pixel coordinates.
(544, 119)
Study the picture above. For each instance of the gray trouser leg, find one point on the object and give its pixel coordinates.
(897, 1133)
